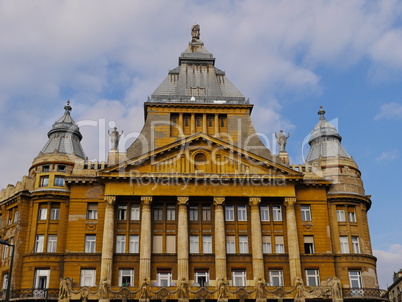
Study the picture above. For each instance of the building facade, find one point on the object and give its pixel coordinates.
(197, 208)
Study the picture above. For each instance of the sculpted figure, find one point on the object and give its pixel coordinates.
(299, 289)
(259, 284)
(183, 288)
(195, 33)
(114, 138)
(144, 289)
(281, 139)
(336, 288)
(222, 288)
(64, 289)
(104, 288)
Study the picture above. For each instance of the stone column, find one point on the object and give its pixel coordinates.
(204, 123)
(107, 244)
(192, 123)
(220, 239)
(181, 125)
(256, 238)
(182, 239)
(293, 240)
(145, 238)
(216, 124)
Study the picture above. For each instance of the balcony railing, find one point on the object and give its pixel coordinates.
(32, 293)
(365, 293)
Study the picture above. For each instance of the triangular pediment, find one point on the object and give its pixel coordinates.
(200, 154)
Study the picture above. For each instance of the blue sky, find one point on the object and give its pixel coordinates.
(289, 57)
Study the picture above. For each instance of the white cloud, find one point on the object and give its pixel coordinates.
(388, 262)
(388, 156)
(389, 111)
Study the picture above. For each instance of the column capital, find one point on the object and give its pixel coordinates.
(182, 200)
(110, 200)
(219, 201)
(146, 200)
(289, 201)
(254, 201)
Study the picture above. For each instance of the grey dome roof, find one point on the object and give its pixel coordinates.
(325, 140)
(65, 136)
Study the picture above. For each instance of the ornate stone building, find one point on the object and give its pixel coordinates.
(197, 208)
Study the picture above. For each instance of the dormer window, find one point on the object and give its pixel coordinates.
(61, 168)
(45, 168)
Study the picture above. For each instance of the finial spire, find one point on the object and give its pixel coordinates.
(321, 113)
(68, 107)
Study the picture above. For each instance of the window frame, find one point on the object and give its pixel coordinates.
(92, 211)
(39, 243)
(207, 244)
(51, 244)
(305, 212)
(275, 277)
(90, 243)
(120, 244)
(229, 212)
(243, 244)
(277, 213)
(312, 277)
(241, 212)
(264, 213)
(134, 246)
(88, 274)
(124, 273)
(239, 277)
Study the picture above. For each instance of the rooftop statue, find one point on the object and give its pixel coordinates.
(114, 138)
(195, 33)
(281, 139)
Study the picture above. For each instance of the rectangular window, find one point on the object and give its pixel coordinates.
(207, 244)
(277, 213)
(5, 251)
(264, 212)
(243, 244)
(135, 212)
(340, 214)
(157, 244)
(312, 277)
(16, 216)
(355, 279)
(44, 181)
(158, 211)
(201, 277)
(92, 210)
(266, 244)
(126, 277)
(229, 212)
(52, 243)
(5, 281)
(308, 244)
(194, 245)
(134, 243)
(39, 243)
(305, 212)
(355, 244)
(46, 168)
(120, 243)
(42, 214)
(42, 278)
(241, 213)
(88, 277)
(279, 245)
(352, 216)
(171, 244)
(275, 277)
(90, 243)
(54, 213)
(171, 212)
(239, 278)
(206, 213)
(59, 181)
(230, 245)
(122, 212)
(344, 244)
(61, 168)
(164, 277)
(193, 213)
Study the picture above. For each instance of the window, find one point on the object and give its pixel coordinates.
(171, 212)
(355, 279)
(305, 212)
(59, 181)
(266, 244)
(54, 213)
(201, 277)
(46, 168)
(355, 245)
(61, 168)
(92, 210)
(340, 214)
(42, 278)
(157, 244)
(16, 216)
(279, 245)
(193, 213)
(158, 211)
(44, 181)
(121, 244)
(52, 243)
(42, 214)
(243, 244)
(126, 277)
(5, 281)
(241, 213)
(90, 243)
(164, 277)
(239, 278)
(230, 245)
(277, 213)
(312, 277)
(5, 251)
(309, 244)
(134, 244)
(206, 213)
(171, 244)
(88, 276)
(194, 245)
(352, 216)
(344, 244)
(207, 244)
(122, 212)
(229, 213)
(39, 243)
(264, 212)
(275, 277)
(135, 212)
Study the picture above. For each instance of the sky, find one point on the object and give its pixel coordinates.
(288, 57)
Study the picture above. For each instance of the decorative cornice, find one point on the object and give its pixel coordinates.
(110, 200)
(254, 201)
(182, 200)
(219, 201)
(146, 200)
(289, 201)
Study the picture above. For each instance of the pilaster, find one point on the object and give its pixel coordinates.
(182, 240)
(256, 238)
(220, 239)
(145, 238)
